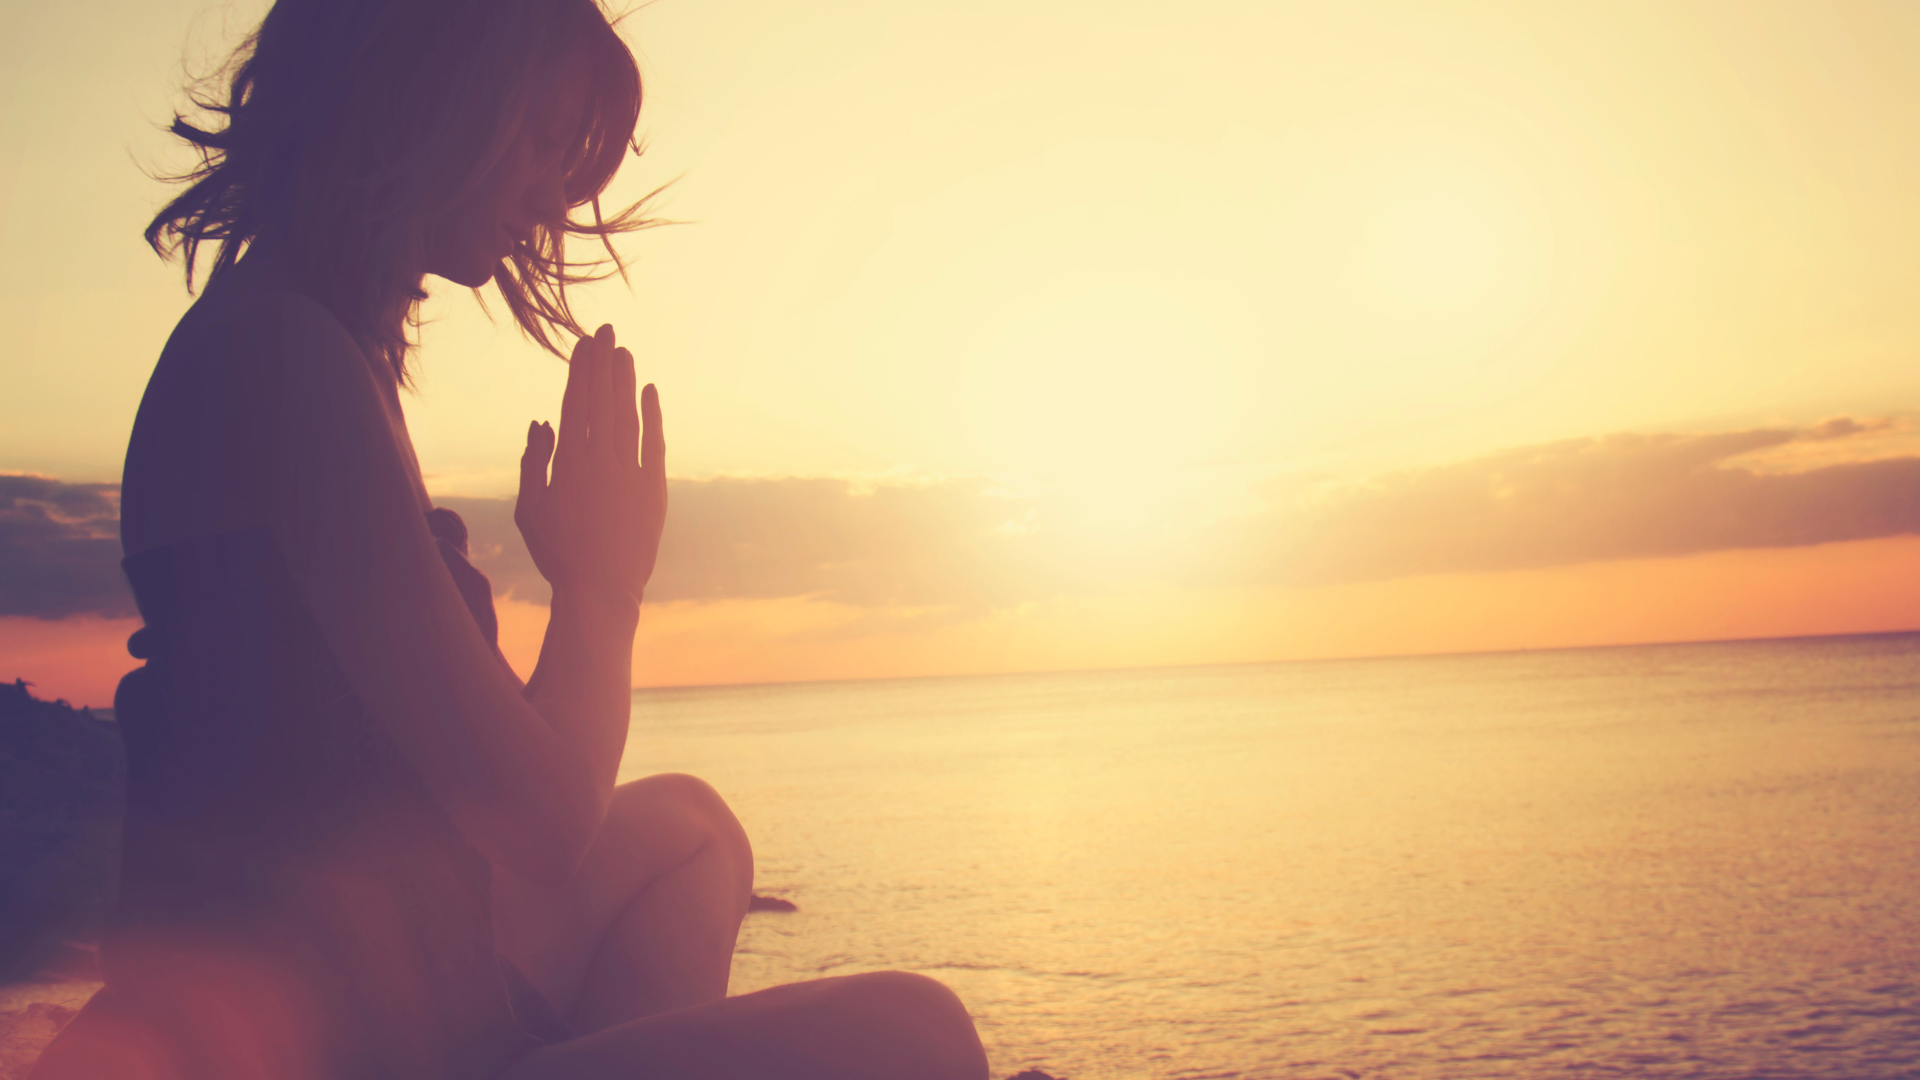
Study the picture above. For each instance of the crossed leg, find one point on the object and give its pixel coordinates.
(635, 951)
(884, 1025)
(647, 924)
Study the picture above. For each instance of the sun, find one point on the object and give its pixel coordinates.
(1103, 399)
(1444, 240)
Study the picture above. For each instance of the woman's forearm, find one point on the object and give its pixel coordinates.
(583, 684)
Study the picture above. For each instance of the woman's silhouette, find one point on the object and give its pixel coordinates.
(357, 846)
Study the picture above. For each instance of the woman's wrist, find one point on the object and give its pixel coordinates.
(598, 600)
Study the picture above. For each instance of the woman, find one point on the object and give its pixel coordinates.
(357, 846)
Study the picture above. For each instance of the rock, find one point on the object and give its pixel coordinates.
(771, 903)
(62, 791)
(1033, 1074)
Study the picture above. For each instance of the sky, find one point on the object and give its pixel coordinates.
(1038, 335)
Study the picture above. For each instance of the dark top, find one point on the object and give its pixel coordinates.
(281, 854)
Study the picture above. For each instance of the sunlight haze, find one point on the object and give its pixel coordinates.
(1126, 266)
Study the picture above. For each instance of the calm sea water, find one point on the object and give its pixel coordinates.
(1674, 861)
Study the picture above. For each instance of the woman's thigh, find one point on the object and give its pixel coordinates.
(654, 827)
(886, 1025)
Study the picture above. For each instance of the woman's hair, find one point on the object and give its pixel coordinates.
(350, 124)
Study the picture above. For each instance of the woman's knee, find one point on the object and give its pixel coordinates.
(688, 802)
(921, 995)
(927, 1012)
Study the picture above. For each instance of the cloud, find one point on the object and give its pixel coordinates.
(940, 543)
(931, 552)
(60, 549)
(1577, 501)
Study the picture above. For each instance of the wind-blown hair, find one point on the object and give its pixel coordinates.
(351, 124)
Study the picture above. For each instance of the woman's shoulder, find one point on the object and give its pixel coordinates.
(251, 362)
(254, 342)
(251, 307)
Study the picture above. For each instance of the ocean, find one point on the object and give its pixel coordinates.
(1667, 861)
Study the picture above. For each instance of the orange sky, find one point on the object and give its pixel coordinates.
(1859, 587)
(1243, 321)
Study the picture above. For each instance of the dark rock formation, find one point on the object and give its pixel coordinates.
(1033, 1074)
(62, 793)
(771, 903)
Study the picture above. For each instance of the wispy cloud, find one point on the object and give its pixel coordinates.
(60, 549)
(1577, 501)
(945, 543)
(929, 552)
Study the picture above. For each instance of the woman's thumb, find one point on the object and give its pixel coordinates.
(533, 467)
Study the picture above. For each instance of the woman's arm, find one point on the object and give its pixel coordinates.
(593, 530)
(524, 780)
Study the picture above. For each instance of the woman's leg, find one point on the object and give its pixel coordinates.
(647, 924)
(886, 1025)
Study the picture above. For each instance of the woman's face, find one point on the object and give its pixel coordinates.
(525, 188)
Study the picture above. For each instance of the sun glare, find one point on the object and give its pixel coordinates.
(1111, 377)
(1108, 396)
(1444, 241)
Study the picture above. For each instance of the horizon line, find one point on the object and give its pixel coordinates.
(1677, 643)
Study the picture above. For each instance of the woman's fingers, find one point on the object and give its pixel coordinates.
(600, 405)
(626, 408)
(533, 474)
(653, 439)
(626, 412)
(597, 497)
(572, 446)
